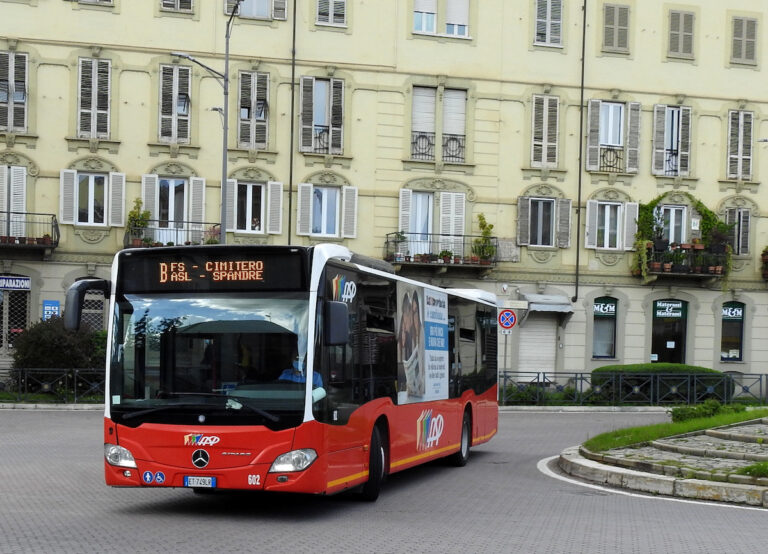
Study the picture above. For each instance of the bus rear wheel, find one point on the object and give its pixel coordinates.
(376, 465)
(460, 458)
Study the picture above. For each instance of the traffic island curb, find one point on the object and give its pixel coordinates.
(573, 463)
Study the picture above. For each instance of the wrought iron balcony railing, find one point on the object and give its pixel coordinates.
(671, 162)
(453, 148)
(170, 233)
(426, 248)
(611, 159)
(321, 139)
(28, 230)
(687, 262)
(422, 146)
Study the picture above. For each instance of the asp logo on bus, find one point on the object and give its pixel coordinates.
(200, 440)
(343, 290)
(429, 429)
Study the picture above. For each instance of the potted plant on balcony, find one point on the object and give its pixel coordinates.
(45, 239)
(483, 246)
(138, 220)
(445, 256)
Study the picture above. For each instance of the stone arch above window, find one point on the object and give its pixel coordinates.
(610, 195)
(10, 157)
(543, 190)
(93, 164)
(441, 185)
(173, 169)
(252, 173)
(738, 202)
(327, 178)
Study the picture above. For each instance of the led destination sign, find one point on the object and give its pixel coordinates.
(213, 269)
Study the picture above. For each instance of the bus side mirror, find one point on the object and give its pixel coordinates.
(73, 304)
(336, 323)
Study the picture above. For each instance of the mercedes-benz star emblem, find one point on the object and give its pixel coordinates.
(200, 458)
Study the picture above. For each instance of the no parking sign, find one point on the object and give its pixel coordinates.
(507, 320)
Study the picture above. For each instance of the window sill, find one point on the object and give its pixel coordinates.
(11, 139)
(332, 26)
(676, 181)
(327, 160)
(439, 167)
(93, 145)
(111, 7)
(173, 150)
(252, 155)
(440, 36)
(615, 51)
(548, 46)
(610, 177)
(544, 174)
(738, 185)
(168, 12)
(746, 64)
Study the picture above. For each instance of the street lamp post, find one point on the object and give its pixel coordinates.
(223, 80)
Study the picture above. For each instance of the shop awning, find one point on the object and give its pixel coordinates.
(557, 303)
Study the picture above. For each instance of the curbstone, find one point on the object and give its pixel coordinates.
(724, 492)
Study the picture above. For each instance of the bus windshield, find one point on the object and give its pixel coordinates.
(221, 359)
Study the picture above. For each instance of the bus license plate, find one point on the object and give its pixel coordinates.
(202, 482)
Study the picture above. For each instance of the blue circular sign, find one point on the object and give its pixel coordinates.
(507, 319)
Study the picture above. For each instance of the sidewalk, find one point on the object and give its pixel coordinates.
(697, 465)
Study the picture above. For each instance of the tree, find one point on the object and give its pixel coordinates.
(47, 344)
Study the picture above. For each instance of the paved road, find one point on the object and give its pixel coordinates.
(52, 499)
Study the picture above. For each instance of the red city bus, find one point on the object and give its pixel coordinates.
(280, 368)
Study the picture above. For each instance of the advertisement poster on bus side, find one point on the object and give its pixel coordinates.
(422, 339)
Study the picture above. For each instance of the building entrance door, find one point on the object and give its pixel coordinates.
(668, 334)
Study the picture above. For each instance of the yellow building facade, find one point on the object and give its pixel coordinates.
(392, 127)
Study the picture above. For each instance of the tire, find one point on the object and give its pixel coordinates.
(460, 458)
(376, 468)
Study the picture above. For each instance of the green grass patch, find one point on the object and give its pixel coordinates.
(759, 469)
(647, 433)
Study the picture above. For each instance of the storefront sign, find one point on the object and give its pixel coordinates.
(668, 308)
(11, 282)
(51, 309)
(604, 307)
(733, 311)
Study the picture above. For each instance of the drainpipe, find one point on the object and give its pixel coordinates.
(293, 123)
(581, 147)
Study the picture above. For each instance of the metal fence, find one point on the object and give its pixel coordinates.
(613, 389)
(55, 384)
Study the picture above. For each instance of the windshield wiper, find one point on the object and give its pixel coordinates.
(162, 408)
(230, 405)
(234, 403)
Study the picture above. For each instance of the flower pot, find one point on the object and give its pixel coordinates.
(685, 246)
(718, 270)
(667, 266)
(698, 246)
(654, 266)
(5, 240)
(22, 240)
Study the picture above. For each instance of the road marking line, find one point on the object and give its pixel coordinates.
(542, 467)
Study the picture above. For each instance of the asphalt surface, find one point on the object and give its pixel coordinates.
(52, 499)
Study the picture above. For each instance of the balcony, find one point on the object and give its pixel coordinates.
(31, 233)
(687, 261)
(170, 233)
(453, 148)
(441, 252)
(612, 159)
(423, 146)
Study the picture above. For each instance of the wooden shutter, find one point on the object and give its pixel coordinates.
(167, 102)
(337, 116)
(5, 77)
(739, 145)
(631, 210)
(744, 217)
(117, 199)
(590, 238)
(197, 199)
(593, 135)
(340, 12)
(332, 12)
(149, 194)
(279, 9)
(404, 216)
(555, 21)
(261, 105)
(275, 208)
(4, 197)
(306, 100)
(746, 146)
(20, 82)
(544, 131)
(744, 39)
(733, 144)
(633, 137)
(17, 193)
(681, 33)
(323, 11)
(523, 220)
(452, 221)
(548, 21)
(349, 212)
(245, 102)
(85, 112)
(615, 27)
(659, 132)
(563, 222)
(94, 95)
(304, 209)
(103, 70)
(182, 121)
(67, 185)
(230, 206)
(684, 156)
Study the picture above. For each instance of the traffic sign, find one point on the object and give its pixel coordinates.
(507, 318)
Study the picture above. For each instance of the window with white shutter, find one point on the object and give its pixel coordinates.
(671, 140)
(174, 103)
(93, 98)
(322, 115)
(613, 136)
(615, 28)
(681, 34)
(744, 40)
(549, 22)
(452, 222)
(738, 237)
(332, 12)
(258, 9)
(13, 200)
(92, 198)
(13, 91)
(176, 5)
(544, 130)
(253, 103)
(249, 206)
(740, 145)
(329, 211)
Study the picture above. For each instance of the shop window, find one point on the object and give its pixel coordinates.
(732, 335)
(604, 327)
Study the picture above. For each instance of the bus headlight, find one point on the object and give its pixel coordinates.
(118, 456)
(295, 460)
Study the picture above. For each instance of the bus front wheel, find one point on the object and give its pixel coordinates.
(376, 465)
(461, 457)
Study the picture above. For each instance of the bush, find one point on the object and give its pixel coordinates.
(708, 408)
(48, 344)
